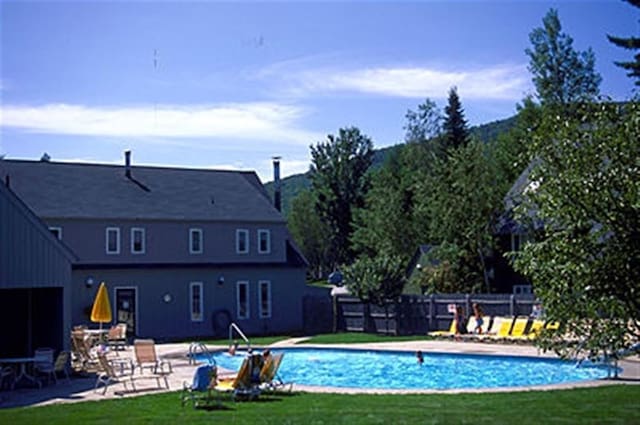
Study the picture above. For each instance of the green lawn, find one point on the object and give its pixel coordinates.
(359, 337)
(616, 404)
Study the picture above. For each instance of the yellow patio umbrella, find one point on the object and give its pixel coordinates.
(101, 311)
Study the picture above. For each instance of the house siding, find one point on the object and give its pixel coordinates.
(172, 320)
(35, 276)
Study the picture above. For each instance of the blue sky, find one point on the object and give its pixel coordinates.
(228, 85)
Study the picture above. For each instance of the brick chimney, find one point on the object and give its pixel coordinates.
(127, 164)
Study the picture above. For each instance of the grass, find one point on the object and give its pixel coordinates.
(615, 404)
(358, 337)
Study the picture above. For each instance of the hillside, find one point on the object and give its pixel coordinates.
(293, 184)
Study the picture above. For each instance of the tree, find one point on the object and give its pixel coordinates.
(339, 177)
(585, 263)
(376, 279)
(309, 232)
(460, 198)
(423, 124)
(631, 43)
(456, 133)
(561, 75)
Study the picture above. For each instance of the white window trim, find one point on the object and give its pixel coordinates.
(191, 292)
(262, 313)
(268, 233)
(192, 231)
(106, 237)
(144, 237)
(244, 232)
(248, 311)
(56, 229)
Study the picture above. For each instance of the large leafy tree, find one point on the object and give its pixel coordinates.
(585, 264)
(460, 198)
(456, 133)
(376, 279)
(561, 74)
(310, 232)
(423, 124)
(631, 43)
(340, 181)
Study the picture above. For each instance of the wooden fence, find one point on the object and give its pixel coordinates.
(415, 314)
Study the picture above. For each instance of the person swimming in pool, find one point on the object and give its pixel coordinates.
(420, 357)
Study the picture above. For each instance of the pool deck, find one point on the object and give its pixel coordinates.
(81, 389)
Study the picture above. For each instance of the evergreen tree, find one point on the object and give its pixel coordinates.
(456, 133)
(339, 177)
(631, 43)
(561, 75)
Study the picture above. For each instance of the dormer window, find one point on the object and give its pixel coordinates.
(195, 241)
(112, 240)
(137, 240)
(242, 241)
(264, 241)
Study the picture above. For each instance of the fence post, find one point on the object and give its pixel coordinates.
(432, 309)
(512, 304)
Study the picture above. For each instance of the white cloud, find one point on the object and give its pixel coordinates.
(253, 121)
(503, 82)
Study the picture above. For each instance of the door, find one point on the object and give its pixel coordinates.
(127, 308)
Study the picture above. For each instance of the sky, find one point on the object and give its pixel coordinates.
(229, 85)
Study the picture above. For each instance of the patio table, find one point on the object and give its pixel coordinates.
(23, 374)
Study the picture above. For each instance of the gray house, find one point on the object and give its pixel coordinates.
(35, 281)
(184, 252)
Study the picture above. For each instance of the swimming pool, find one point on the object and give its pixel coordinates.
(374, 369)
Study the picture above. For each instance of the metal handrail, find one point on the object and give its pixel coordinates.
(233, 326)
(196, 347)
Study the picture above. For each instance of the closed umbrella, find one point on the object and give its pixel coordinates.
(101, 311)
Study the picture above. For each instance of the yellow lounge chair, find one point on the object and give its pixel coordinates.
(518, 329)
(241, 384)
(450, 332)
(535, 329)
(499, 329)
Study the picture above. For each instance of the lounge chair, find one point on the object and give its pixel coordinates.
(145, 353)
(241, 385)
(500, 328)
(518, 329)
(110, 374)
(269, 379)
(450, 332)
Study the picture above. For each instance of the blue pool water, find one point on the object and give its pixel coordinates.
(399, 370)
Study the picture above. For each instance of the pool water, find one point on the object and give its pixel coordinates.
(400, 370)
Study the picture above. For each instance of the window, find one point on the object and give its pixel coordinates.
(264, 241)
(57, 232)
(195, 241)
(242, 241)
(264, 299)
(113, 240)
(137, 240)
(242, 299)
(195, 297)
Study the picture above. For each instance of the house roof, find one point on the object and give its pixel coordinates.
(97, 191)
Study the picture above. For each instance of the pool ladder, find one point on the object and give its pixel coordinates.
(198, 348)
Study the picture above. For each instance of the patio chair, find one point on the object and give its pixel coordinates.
(43, 360)
(201, 392)
(500, 328)
(51, 370)
(117, 336)
(110, 374)
(146, 357)
(82, 358)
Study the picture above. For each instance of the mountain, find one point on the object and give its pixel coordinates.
(295, 183)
